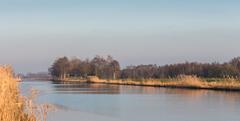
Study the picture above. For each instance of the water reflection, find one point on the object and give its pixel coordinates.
(188, 94)
(85, 88)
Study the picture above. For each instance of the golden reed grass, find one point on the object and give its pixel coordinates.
(182, 81)
(13, 106)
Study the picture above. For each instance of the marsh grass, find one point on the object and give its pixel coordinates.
(182, 81)
(13, 106)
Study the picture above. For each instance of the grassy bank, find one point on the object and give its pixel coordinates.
(191, 82)
(13, 106)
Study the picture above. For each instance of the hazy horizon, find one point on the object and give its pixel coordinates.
(34, 33)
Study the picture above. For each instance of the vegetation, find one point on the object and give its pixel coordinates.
(206, 70)
(220, 76)
(110, 69)
(64, 68)
(181, 81)
(14, 107)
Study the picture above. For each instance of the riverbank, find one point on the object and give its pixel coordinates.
(188, 82)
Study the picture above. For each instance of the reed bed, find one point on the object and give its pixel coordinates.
(13, 106)
(182, 81)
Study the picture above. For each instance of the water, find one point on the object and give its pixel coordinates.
(101, 102)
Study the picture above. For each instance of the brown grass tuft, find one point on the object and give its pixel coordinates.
(14, 107)
(189, 81)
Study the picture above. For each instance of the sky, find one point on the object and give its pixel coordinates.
(33, 33)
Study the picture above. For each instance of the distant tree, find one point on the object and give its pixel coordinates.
(109, 68)
(104, 68)
(115, 69)
(60, 68)
(75, 67)
(86, 68)
(98, 63)
(235, 62)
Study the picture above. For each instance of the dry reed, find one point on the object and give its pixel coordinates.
(182, 81)
(13, 106)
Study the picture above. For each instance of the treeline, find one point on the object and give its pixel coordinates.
(208, 70)
(108, 68)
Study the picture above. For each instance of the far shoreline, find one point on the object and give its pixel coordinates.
(185, 82)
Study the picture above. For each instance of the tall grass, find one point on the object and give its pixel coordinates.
(182, 81)
(13, 106)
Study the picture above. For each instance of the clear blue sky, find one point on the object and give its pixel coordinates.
(34, 32)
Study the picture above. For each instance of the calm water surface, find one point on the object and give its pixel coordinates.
(100, 102)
